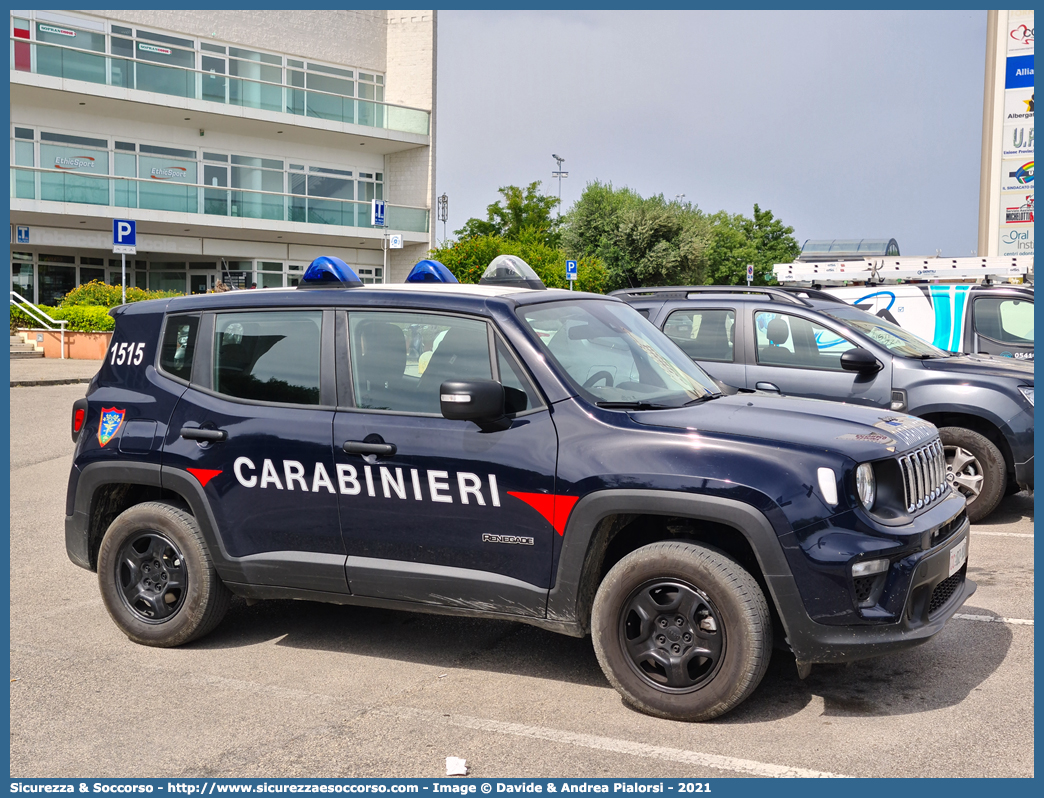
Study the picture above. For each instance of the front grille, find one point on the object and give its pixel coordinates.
(947, 529)
(945, 590)
(924, 475)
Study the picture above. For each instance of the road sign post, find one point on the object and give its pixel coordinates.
(124, 243)
(571, 272)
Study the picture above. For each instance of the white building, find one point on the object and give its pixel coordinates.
(243, 143)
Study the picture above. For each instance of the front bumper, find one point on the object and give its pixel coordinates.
(1024, 474)
(931, 595)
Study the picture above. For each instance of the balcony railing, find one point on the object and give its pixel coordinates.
(51, 185)
(72, 63)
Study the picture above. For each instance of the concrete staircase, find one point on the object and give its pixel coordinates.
(20, 349)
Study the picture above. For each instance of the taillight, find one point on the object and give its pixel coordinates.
(79, 416)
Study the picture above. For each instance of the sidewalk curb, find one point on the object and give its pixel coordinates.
(36, 383)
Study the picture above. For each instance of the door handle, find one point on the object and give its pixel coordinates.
(766, 386)
(361, 447)
(199, 434)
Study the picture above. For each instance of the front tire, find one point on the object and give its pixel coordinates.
(975, 467)
(156, 577)
(681, 630)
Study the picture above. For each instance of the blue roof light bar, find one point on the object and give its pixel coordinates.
(329, 272)
(430, 271)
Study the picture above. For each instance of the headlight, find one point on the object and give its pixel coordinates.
(1027, 391)
(865, 485)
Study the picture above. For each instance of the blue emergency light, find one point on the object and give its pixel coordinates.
(327, 272)
(430, 271)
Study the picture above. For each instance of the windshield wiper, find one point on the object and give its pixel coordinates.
(706, 398)
(634, 406)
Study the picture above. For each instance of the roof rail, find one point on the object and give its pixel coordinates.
(686, 291)
(811, 293)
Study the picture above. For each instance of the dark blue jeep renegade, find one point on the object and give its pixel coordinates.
(507, 452)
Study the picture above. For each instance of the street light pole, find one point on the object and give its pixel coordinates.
(443, 214)
(559, 174)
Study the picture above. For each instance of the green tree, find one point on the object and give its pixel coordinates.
(738, 240)
(525, 212)
(469, 257)
(640, 241)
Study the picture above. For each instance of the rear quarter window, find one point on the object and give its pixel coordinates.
(179, 346)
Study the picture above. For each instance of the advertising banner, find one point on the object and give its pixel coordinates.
(1018, 208)
(1017, 175)
(1018, 106)
(1019, 72)
(1016, 240)
(1018, 140)
(1020, 32)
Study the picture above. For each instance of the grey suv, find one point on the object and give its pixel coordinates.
(802, 342)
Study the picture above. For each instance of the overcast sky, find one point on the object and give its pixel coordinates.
(844, 124)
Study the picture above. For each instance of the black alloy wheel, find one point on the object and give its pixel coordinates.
(157, 577)
(152, 576)
(672, 635)
(681, 630)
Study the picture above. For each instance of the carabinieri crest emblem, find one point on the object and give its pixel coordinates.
(110, 423)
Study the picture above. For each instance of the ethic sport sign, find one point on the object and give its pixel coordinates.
(570, 269)
(124, 237)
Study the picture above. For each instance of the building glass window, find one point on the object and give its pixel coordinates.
(22, 278)
(270, 275)
(92, 269)
(255, 175)
(169, 173)
(69, 63)
(57, 278)
(71, 179)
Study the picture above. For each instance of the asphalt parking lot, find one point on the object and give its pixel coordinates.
(301, 689)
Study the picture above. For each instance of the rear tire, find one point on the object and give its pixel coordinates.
(156, 576)
(975, 466)
(681, 630)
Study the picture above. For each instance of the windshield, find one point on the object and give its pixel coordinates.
(615, 356)
(891, 336)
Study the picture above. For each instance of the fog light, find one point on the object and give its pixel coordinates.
(869, 567)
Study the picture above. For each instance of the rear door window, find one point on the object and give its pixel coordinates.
(703, 334)
(268, 356)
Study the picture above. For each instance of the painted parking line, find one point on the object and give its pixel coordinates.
(977, 532)
(992, 619)
(613, 745)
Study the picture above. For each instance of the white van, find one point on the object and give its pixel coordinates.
(969, 318)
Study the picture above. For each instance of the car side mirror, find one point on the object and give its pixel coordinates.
(481, 401)
(860, 360)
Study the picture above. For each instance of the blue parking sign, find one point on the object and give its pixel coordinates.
(124, 236)
(570, 269)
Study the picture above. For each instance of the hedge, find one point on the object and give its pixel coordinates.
(86, 307)
(82, 318)
(109, 296)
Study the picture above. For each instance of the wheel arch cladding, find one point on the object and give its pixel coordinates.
(599, 517)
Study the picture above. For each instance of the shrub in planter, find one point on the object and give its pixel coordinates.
(100, 294)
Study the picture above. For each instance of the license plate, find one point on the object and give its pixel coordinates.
(958, 554)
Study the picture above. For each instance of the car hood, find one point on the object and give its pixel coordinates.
(863, 433)
(983, 366)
